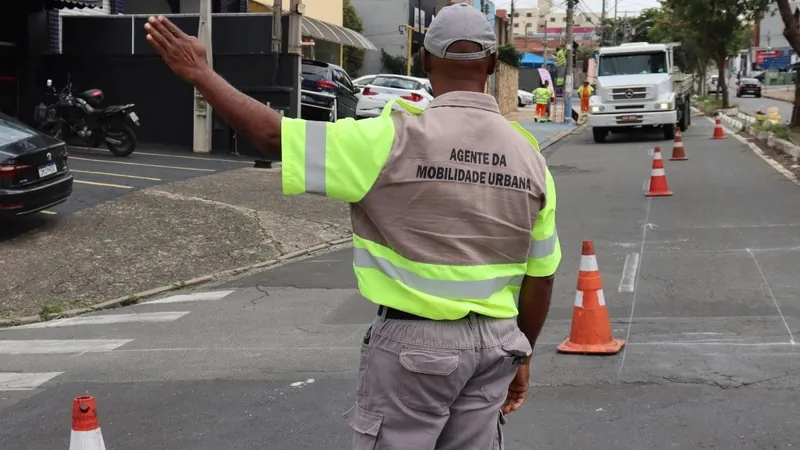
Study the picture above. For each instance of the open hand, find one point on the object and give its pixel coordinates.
(517, 390)
(184, 54)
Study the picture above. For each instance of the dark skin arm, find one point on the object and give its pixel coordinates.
(534, 304)
(186, 56)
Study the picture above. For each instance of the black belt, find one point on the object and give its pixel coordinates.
(396, 314)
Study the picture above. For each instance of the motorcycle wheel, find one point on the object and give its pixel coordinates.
(52, 129)
(125, 134)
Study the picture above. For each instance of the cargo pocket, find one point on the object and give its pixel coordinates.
(366, 426)
(514, 351)
(498, 436)
(428, 379)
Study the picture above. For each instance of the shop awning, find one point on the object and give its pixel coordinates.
(70, 4)
(333, 33)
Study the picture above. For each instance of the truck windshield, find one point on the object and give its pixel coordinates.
(633, 64)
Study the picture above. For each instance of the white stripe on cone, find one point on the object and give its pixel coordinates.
(87, 440)
(678, 144)
(657, 155)
(588, 263)
(658, 173)
(601, 298)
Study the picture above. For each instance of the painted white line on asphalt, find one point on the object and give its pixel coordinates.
(107, 319)
(644, 185)
(25, 381)
(60, 346)
(212, 159)
(774, 300)
(628, 278)
(645, 225)
(194, 297)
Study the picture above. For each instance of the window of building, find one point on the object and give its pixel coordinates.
(516, 25)
(564, 19)
(516, 14)
(552, 19)
(529, 15)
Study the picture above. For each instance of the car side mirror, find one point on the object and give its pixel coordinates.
(49, 83)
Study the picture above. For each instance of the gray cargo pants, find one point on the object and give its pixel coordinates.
(435, 385)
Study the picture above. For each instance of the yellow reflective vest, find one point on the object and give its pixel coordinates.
(541, 95)
(561, 58)
(342, 160)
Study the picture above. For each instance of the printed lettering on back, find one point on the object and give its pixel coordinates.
(482, 173)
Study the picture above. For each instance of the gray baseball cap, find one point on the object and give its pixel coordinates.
(460, 22)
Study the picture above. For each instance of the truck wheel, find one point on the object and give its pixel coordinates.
(683, 123)
(669, 132)
(599, 134)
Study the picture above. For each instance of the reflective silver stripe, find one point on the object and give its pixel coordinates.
(316, 135)
(543, 248)
(472, 290)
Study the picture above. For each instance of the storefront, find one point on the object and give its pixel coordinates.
(25, 35)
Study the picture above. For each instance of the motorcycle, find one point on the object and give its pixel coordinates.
(82, 120)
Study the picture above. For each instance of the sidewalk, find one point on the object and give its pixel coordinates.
(162, 235)
(547, 133)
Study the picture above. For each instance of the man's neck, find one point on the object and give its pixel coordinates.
(464, 86)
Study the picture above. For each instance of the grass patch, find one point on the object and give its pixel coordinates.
(48, 310)
(780, 130)
(710, 103)
(129, 300)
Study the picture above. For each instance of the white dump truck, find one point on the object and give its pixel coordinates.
(639, 85)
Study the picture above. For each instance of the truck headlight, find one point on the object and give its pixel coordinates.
(665, 105)
(597, 109)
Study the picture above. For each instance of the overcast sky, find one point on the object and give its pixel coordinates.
(587, 5)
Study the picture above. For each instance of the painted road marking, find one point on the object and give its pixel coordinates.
(135, 177)
(194, 297)
(111, 185)
(60, 346)
(140, 164)
(628, 279)
(237, 161)
(49, 213)
(108, 319)
(25, 381)
(633, 300)
(772, 295)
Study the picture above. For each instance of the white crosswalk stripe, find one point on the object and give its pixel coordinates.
(54, 346)
(192, 297)
(19, 381)
(107, 319)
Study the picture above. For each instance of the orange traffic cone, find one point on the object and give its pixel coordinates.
(678, 153)
(86, 433)
(591, 328)
(658, 177)
(719, 133)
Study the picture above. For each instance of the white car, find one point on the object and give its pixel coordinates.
(378, 90)
(524, 98)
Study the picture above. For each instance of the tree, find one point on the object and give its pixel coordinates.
(792, 34)
(718, 24)
(353, 57)
(692, 56)
(393, 64)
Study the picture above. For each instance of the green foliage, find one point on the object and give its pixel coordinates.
(353, 57)
(508, 54)
(393, 64)
(416, 66)
(780, 130)
(717, 25)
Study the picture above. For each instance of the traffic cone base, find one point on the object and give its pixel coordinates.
(591, 328)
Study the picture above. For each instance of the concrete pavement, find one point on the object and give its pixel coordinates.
(702, 284)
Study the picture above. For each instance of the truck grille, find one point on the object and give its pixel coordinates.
(624, 107)
(631, 93)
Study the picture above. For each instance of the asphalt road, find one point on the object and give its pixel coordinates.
(752, 104)
(703, 285)
(101, 176)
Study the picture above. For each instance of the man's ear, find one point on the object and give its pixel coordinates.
(492, 64)
(426, 62)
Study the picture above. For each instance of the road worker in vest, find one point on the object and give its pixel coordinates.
(585, 93)
(453, 213)
(561, 67)
(542, 96)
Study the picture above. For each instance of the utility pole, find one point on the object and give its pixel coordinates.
(568, 70)
(203, 117)
(277, 37)
(512, 22)
(614, 36)
(603, 25)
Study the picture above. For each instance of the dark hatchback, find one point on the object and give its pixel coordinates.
(748, 86)
(33, 170)
(321, 83)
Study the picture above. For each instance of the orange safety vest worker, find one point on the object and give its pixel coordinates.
(585, 92)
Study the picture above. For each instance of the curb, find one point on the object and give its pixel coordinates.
(744, 123)
(133, 299)
(550, 142)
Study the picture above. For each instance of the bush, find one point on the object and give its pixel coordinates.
(780, 130)
(509, 55)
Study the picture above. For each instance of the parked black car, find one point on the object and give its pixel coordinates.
(322, 83)
(33, 170)
(748, 86)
